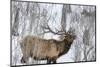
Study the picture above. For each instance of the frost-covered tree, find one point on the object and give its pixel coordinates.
(29, 18)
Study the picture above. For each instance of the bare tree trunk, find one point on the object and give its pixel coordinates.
(16, 23)
(63, 19)
(65, 10)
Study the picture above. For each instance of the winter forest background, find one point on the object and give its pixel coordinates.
(28, 17)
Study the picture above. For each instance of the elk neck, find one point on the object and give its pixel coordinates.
(65, 44)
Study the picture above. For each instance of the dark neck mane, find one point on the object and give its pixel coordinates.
(66, 46)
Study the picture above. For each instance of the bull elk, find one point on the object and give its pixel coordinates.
(43, 49)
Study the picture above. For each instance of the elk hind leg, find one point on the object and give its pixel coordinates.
(24, 59)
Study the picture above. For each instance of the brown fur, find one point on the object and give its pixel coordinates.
(42, 49)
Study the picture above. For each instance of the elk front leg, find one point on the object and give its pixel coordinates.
(48, 61)
(54, 61)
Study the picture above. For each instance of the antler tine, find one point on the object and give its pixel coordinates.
(63, 30)
(59, 31)
(50, 30)
(71, 30)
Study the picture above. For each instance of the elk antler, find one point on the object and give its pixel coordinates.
(71, 30)
(47, 29)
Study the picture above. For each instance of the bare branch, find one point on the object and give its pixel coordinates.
(91, 48)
